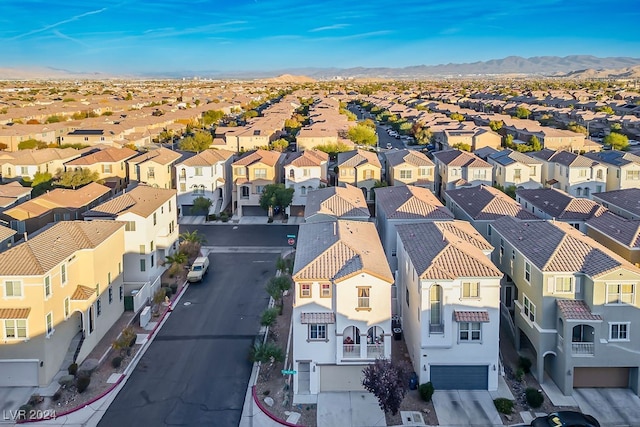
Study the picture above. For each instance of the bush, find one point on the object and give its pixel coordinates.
(224, 217)
(212, 217)
(24, 411)
(174, 288)
(167, 292)
(133, 341)
(519, 374)
(270, 220)
(56, 396)
(116, 362)
(35, 399)
(269, 316)
(525, 364)
(426, 391)
(534, 397)
(82, 383)
(503, 405)
(73, 369)
(266, 352)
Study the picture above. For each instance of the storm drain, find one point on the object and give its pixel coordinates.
(412, 418)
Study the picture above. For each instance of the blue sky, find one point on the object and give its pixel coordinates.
(135, 36)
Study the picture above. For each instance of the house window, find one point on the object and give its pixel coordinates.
(620, 293)
(15, 328)
(121, 292)
(142, 249)
(599, 174)
(363, 297)
(303, 191)
(292, 173)
(527, 272)
(24, 170)
(305, 290)
(564, 284)
(183, 187)
(151, 173)
(239, 171)
(259, 189)
(619, 331)
(582, 173)
(109, 278)
(488, 229)
(306, 172)
(98, 307)
(501, 248)
(634, 175)
(12, 288)
(245, 192)
(63, 274)
(49, 321)
(405, 174)
(470, 331)
(529, 309)
(517, 174)
(260, 173)
(198, 171)
(67, 309)
(106, 168)
(143, 265)
(325, 290)
(47, 287)
(406, 296)
(155, 218)
(471, 290)
(130, 226)
(110, 295)
(435, 304)
(367, 174)
(422, 172)
(532, 170)
(317, 332)
(152, 260)
(169, 205)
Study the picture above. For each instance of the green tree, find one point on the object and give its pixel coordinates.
(462, 146)
(495, 125)
(212, 117)
(42, 182)
(31, 144)
(280, 145)
(276, 287)
(615, 127)
(574, 127)
(508, 141)
(617, 141)
(522, 113)
(275, 195)
(535, 143)
(368, 122)
(249, 114)
(606, 109)
(200, 141)
(76, 178)
(53, 119)
(202, 204)
(362, 135)
(333, 149)
(457, 116)
(176, 262)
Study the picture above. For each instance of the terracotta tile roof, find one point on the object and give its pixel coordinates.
(471, 316)
(143, 200)
(410, 202)
(576, 310)
(162, 156)
(14, 313)
(270, 158)
(207, 158)
(50, 247)
(108, 155)
(627, 199)
(339, 202)
(484, 203)
(358, 158)
(82, 293)
(412, 157)
(14, 190)
(317, 318)
(446, 250)
(39, 157)
(558, 247)
(307, 158)
(625, 231)
(560, 205)
(460, 158)
(337, 250)
(6, 233)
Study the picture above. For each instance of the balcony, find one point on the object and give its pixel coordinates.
(582, 349)
(375, 351)
(351, 351)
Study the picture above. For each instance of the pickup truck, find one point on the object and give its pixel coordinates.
(198, 269)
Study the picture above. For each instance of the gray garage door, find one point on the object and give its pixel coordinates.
(460, 377)
(18, 373)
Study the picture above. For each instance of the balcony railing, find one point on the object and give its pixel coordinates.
(582, 348)
(351, 351)
(375, 351)
(436, 328)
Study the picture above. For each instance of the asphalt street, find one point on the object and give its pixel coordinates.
(196, 371)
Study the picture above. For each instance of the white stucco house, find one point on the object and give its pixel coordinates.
(304, 172)
(341, 308)
(450, 304)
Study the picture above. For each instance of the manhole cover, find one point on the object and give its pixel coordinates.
(187, 303)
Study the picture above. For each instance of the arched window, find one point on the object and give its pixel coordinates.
(292, 173)
(579, 191)
(586, 192)
(303, 190)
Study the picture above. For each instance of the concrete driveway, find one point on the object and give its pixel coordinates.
(610, 406)
(349, 408)
(465, 408)
(11, 399)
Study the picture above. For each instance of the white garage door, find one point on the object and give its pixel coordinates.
(18, 373)
(341, 378)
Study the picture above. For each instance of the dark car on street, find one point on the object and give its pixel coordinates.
(565, 419)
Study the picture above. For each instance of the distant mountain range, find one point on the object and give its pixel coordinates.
(574, 66)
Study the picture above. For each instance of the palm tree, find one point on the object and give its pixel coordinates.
(176, 261)
(193, 237)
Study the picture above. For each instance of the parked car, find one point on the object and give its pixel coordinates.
(634, 143)
(389, 145)
(565, 419)
(198, 269)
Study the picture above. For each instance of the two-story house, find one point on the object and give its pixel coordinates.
(154, 168)
(304, 172)
(208, 175)
(573, 173)
(109, 163)
(576, 312)
(625, 203)
(456, 168)
(449, 293)
(617, 233)
(512, 168)
(404, 204)
(361, 169)
(26, 163)
(341, 309)
(61, 292)
(623, 168)
(251, 173)
(409, 167)
(331, 203)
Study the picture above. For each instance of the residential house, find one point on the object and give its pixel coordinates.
(475, 138)
(331, 203)
(304, 171)
(576, 307)
(405, 204)
(623, 168)
(409, 167)
(208, 175)
(61, 292)
(515, 169)
(361, 169)
(59, 204)
(341, 308)
(251, 173)
(456, 168)
(449, 292)
(6, 237)
(109, 163)
(151, 231)
(482, 205)
(154, 168)
(26, 163)
(619, 234)
(625, 203)
(13, 193)
(551, 203)
(573, 173)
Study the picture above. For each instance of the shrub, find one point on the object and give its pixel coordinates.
(519, 374)
(224, 217)
(35, 399)
(426, 391)
(503, 405)
(174, 288)
(266, 352)
(82, 383)
(116, 362)
(56, 396)
(270, 220)
(212, 217)
(133, 341)
(167, 292)
(525, 364)
(269, 316)
(534, 397)
(24, 411)
(73, 369)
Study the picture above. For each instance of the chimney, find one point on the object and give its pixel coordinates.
(25, 236)
(334, 228)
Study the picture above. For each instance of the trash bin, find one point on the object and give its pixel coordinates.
(397, 334)
(413, 381)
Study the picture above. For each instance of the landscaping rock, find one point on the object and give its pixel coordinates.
(66, 380)
(269, 401)
(87, 367)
